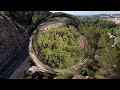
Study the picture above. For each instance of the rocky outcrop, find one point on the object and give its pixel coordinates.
(83, 42)
(51, 25)
(114, 38)
(15, 29)
(27, 19)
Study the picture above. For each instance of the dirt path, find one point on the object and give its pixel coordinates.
(19, 72)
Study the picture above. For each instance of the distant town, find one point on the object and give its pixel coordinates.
(111, 17)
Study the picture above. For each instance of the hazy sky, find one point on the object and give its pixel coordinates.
(89, 12)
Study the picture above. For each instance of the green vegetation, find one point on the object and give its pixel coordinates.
(103, 60)
(26, 20)
(89, 69)
(98, 23)
(58, 47)
(28, 74)
(71, 20)
(116, 31)
(109, 60)
(64, 76)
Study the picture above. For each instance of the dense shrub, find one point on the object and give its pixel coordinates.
(58, 47)
(100, 48)
(64, 76)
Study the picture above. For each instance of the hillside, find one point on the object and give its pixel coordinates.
(44, 45)
(58, 51)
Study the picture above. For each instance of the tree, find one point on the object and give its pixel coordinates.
(109, 58)
(60, 48)
(64, 76)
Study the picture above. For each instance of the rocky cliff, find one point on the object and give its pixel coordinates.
(12, 41)
(15, 29)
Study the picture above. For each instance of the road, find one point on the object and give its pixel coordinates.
(8, 69)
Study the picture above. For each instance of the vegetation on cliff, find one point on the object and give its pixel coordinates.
(58, 47)
(104, 58)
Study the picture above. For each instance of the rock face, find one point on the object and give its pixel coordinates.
(12, 42)
(51, 25)
(83, 42)
(15, 30)
(114, 38)
(27, 18)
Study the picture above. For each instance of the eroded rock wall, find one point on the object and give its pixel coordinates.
(12, 42)
(15, 28)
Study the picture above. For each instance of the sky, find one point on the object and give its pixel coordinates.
(89, 12)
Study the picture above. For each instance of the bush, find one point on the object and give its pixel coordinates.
(59, 47)
(89, 69)
(28, 74)
(64, 76)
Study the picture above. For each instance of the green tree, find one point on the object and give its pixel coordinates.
(108, 59)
